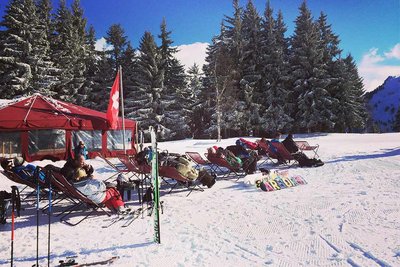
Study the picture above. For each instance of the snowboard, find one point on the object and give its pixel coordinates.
(277, 181)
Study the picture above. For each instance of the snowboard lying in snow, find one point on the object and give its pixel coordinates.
(279, 180)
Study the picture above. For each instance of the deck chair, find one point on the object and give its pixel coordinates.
(26, 183)
(58, 194)
(269, 154)
(305, 146)
(201, 162)
(284, 153)
(222, 162)
(118, 168)
(72, 192)
(172, 173)
(141, 173)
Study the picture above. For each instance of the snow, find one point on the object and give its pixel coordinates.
(385, 103)
(347, 214)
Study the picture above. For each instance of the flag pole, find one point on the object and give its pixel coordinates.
(122, 108)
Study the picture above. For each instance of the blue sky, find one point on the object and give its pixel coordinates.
(368, 29)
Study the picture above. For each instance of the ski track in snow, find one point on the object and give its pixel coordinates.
(347, 215)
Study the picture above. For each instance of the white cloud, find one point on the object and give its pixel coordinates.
(101, 45)
(192, 53)
(394, 53)
(374, 67)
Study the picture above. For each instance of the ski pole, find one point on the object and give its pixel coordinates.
(48, 236)
(12, 227)
(37, 217)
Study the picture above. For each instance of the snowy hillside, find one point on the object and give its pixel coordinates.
(384, 102)
(347, 215)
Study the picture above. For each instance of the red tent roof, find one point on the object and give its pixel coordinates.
(40, 112)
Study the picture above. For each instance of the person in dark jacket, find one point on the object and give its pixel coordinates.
(289, 144)
(24, 171)
(302, 158)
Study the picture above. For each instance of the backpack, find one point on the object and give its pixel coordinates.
(6, 199)
(304, 161)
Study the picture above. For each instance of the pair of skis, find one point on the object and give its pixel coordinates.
(72, 262)
(127, 216)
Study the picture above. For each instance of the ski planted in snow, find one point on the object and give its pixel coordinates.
(156, 191)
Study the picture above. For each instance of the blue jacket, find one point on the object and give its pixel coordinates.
(27, 172)
(78, 150)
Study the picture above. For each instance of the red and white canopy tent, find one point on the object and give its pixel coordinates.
(39, 127)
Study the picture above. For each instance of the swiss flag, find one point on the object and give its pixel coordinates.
(113, 104)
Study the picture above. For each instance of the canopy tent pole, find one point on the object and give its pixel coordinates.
(29, 110)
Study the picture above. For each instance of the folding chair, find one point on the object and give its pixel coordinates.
(268, 153)
(27, 184)
(172, 173)
(200, 162)
(118, 168)
(284, 153)
(74, 193)
(305, 146)
(222, 162)
(141, 172)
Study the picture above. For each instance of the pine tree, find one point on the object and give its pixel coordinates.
(313, 111)
(117, 38)
(91, 69)
(69, 50)
(129, 70)
(219, 94)
(358, 114)
(44, 72)
(167, 53)
(274, 95)
(16, 54)
(196, 111)
(173, 85)
(80, 49)
(102, 82)
(233, 41)
(147, 108)
(251, 70)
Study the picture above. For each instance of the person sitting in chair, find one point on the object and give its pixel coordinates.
(80, 175)
(302, 158)
(248, 158)
(26, 172)
(275, 139)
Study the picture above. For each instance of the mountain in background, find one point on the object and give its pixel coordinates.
(384, 102)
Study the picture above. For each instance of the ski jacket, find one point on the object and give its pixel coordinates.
(93, 189)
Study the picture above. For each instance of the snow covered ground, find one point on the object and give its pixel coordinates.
(347, 215)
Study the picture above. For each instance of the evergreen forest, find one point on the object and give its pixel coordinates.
(256, 80)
